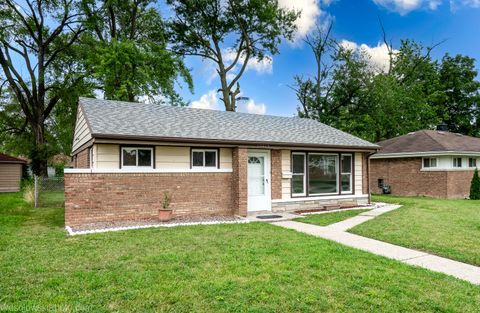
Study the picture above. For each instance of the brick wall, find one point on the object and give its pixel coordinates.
(276, 163)
(239, 180)
(91, 198)
(458, 183)
(82, 159)
(405, 177)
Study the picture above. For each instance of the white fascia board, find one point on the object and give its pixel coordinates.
(423, 154)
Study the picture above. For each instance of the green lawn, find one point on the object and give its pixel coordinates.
(254, 267)
(325, 219)
(449, 228)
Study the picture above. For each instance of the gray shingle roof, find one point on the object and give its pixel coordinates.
(429, 141)
(117, 119)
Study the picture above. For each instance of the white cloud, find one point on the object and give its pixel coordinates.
(256, 108)
(456, 4)
(310, 12)
(207, 101)
(260, 66)
(211, 101)
(378, 56)
(406, 6)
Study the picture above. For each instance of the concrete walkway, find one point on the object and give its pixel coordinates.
(337, 232)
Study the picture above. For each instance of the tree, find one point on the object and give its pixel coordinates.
(459, 104)
(475, 186)
(128, 51)
(313, 93)
(351, 93)
(33, 36)
(245, 29)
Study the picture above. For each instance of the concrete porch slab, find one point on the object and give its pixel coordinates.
(285, 216)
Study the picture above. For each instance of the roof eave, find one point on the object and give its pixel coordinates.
(233, 142)
(422, 154)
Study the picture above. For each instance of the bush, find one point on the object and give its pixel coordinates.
(59, 169)
(475, 186)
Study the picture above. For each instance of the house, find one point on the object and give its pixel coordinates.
(127, 155)
(433, 163)
(10, 173)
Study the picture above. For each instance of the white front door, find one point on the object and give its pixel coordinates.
(259, 190)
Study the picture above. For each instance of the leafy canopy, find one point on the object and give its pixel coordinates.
(247, 29)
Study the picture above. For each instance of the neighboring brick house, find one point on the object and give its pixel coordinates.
(433, 163)
(127, 155)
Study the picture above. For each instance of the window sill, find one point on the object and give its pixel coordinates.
(329, 197)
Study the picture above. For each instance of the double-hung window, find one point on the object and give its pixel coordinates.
(346, 173)
(429, 162)
(457, 162)
(298, 174)
(472, 162)
(204, 158)
(133, 157)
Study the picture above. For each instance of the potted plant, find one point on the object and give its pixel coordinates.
(165, 214)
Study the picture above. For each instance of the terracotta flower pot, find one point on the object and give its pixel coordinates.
(164, 215)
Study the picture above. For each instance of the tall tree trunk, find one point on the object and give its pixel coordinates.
(39, 155)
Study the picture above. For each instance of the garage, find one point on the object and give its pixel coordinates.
(10, 173)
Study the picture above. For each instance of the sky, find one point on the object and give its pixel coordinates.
(356, 23)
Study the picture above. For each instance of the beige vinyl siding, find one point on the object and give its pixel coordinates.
(82, 132)
(358, 173)
(226, 158)
(286, 168)
(170, 157)
(106, 156)
(10, 176)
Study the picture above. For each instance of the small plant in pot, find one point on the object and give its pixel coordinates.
(165, 213)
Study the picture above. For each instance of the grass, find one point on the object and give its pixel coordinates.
(449, 228)
(326, 219)
(254, 267)
(51, 198)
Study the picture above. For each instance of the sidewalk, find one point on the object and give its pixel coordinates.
(337, 232)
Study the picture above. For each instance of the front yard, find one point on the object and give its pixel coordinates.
(253, 267)
(448, 228)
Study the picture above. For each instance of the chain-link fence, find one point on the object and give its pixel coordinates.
(49, 191)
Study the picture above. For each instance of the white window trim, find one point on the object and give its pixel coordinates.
(350, 173)
(304, 193)
(429, 167)
(128, 167)
(203, 151)
(337, 165)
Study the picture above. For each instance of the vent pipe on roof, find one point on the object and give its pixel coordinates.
(442, 127)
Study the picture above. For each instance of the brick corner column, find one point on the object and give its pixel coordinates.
(240, 193)
(276, 170)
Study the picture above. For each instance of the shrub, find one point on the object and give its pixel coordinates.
(59, 169)
(475, 186)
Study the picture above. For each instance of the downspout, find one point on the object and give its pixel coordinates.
(368, 176)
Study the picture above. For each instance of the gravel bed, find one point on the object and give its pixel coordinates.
(107, 226)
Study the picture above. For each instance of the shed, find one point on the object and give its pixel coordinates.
(10, 173)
